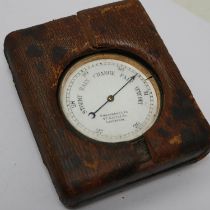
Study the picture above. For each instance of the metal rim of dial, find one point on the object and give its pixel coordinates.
(77, 121)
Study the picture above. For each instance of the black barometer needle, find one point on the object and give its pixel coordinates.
(111, 97)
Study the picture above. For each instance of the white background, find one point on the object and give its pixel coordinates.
(24, 181)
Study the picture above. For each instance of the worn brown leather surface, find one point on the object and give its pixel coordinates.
(81, 168)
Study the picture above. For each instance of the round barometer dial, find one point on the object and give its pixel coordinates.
(110, 98)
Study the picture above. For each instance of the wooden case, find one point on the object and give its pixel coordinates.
(80, 168)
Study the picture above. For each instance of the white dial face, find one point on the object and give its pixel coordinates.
(110, 98)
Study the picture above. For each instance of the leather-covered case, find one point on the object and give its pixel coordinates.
(81, 169)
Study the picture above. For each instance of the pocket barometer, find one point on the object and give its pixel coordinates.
(105, 101)
(110, 98)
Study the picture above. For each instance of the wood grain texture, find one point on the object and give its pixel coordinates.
(81, 168)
